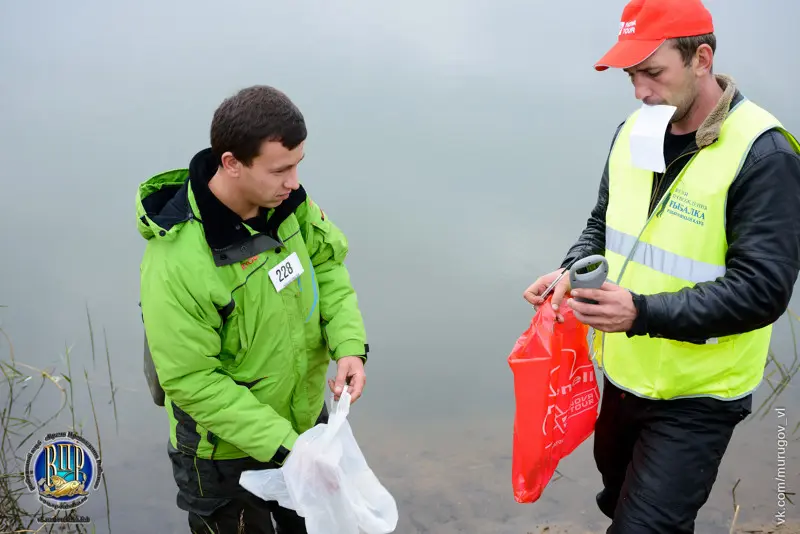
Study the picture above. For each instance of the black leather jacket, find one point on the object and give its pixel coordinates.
(763, 232)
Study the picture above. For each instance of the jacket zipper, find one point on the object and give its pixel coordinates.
(649, 218)
(653, 212)
(664, 175)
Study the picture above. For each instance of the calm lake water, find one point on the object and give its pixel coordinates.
(459, 144)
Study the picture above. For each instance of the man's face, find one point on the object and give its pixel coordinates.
(272, 175)
(664, 79)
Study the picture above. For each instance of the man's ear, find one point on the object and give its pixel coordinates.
(703, 60)
(231, 165)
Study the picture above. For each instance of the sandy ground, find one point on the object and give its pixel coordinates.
(745, 529)
(788, 528)
(460, 483)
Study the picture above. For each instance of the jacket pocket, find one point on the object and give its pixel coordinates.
(233, 336)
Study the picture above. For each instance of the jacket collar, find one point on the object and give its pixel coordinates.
(709, 130)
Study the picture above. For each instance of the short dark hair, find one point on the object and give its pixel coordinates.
(687, 46)
(251, 116)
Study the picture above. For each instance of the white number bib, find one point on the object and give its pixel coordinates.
(286, 272)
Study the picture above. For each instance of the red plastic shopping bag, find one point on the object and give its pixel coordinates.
(556, 396)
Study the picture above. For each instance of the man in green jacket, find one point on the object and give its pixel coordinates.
(245, 300)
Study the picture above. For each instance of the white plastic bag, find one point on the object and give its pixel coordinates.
(327, 481)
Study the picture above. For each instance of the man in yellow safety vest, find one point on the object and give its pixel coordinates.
(703, 248)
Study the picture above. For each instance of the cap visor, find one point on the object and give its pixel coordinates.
(626, 54)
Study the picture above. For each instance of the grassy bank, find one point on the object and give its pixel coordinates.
(29, 392)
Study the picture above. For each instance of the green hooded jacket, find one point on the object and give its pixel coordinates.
(243, 366)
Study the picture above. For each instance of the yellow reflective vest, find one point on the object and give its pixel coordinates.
(681, 244)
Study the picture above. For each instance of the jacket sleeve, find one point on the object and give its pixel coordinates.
(181, 323)
(342, 321)
(593, 238)
(762, 262)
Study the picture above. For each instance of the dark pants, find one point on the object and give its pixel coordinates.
(248, 514)
(659, 459)
(209, 491)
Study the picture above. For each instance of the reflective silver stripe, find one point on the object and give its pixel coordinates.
(661, 260)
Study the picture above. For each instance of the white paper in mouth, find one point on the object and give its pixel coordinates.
(647, 137)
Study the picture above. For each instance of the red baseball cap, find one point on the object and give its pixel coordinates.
(646, 24)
